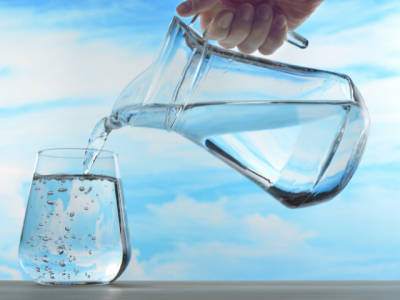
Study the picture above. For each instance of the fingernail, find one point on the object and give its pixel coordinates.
(246, 12)
(280, 22)
(226, 21)
(184, 7)
(264, 11)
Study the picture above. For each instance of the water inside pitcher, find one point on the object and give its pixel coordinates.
(298, 133)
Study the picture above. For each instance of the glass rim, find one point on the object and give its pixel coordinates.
(48, 152)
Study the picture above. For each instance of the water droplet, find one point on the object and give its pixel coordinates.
(60, 238)
(38, 228)
(62, 263)
(82, 188)
(51, 213)
(76, 196)
(46, 268)
(90, 251)
(44, 245)
(65, 236)
(52, 276)
(74, 236)
(92, 201)
(40, 224)
(74, 258)
(86, 247)
(55, 242)
(81, 178)
(97, 194)
(45, 238)
(89, 234)
(72, 214)
(47, 217)
(70, 258)
(44, 181)
(86, 208)
(64, 272)
(67, 228)
(68, 276)
(94, 238)
(85, 273)
(50, 193)
(28, 241)
(60, 251)
(62, 190)
(88, 276)
(224, 71)
(37, 269)
(32, 245)
(45, 258)
(35, 257)
(51, 202)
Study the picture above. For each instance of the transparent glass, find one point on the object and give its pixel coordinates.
(296, 132)
(75, 228)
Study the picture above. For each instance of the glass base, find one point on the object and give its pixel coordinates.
(63, 283)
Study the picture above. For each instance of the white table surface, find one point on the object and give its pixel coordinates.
(193, 290)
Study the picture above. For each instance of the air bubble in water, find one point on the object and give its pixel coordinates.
(50, 193)
(86, 208)
(88, 191)
(45, 258)
(72, 214)
(37, 269)
(51, 202)
(62, 263)
(62, 190)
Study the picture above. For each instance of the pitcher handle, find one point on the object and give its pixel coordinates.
(292, 37)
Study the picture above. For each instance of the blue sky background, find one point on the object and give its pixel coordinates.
(63, 64)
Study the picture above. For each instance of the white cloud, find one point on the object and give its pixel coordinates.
(10, 274)
(46, 66)
(220, 236)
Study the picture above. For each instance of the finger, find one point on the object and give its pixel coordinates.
(220, 26)
(276, 36)
(259, 30)
(191, 7)
(240, 28)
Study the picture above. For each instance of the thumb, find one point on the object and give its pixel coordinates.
(192, 7)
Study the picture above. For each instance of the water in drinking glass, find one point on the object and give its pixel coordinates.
(72, 230)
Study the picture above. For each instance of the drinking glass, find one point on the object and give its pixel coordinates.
(75, 229)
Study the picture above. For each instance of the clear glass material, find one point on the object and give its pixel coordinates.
(75, 228)
(296, 132)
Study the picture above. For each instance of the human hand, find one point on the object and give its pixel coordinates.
(249, 24)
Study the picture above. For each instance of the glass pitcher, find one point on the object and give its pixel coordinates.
(298, 133)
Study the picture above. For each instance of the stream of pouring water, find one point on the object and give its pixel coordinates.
(96, 143)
